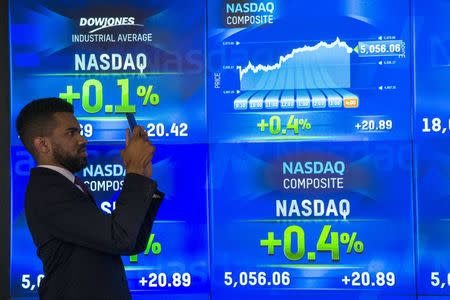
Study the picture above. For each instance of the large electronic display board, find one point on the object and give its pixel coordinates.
(302, 145)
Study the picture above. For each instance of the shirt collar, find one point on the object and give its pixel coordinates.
(66, 173)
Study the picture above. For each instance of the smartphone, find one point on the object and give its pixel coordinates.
(131, 121)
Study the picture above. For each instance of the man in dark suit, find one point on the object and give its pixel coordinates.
(79, 245)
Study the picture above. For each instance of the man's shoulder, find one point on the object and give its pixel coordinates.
(46, 188)
(46, 181)
(47, 176)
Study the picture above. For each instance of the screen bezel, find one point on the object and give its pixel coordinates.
(5, 198)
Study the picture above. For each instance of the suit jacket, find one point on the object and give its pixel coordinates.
(79, 245)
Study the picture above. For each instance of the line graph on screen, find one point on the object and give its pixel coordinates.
(316, 76)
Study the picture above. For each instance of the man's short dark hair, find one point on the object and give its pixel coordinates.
(37, 119)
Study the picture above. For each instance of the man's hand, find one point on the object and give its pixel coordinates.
(148, 171)
(138, 153)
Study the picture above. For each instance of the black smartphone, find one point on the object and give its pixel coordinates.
(131, 121)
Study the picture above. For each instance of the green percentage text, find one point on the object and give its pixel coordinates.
(152, 246)
(294, 245)
(276, 126)
(95, 104)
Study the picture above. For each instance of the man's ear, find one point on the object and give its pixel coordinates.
(41, 144)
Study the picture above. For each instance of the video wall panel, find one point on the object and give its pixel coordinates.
(109, 58)
(293, 70)
(431, 124)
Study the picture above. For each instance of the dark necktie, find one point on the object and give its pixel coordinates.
(81, 184)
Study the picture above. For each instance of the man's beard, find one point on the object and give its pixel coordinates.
(70, 162)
